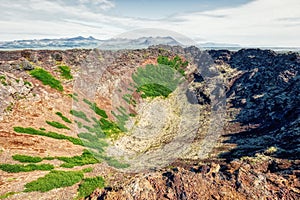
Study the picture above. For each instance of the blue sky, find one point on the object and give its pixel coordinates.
(255, 23)
(158, 9)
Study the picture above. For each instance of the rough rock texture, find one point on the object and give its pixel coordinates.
(261, 133)
(266, 93)
(257, 178)
(255, 157)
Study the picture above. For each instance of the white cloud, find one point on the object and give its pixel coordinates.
(255, 23)
(102, 4)
(261, 22)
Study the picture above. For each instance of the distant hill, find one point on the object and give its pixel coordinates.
(212, 44)
(119, 43)
(89, 42)
(143, 42)
(63, 43)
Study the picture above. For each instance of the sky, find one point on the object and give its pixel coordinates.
(243, 22)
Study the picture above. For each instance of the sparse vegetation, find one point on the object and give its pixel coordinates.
(129, 99)
(74, 97)
(85, 159)
(96, 109)
(65, 72)
(153, 81)
(27, 83)
(46, 78)
(132, 114)
(79, 124)
(175, 63)
(48, 158)
(88, 169)
(89, 185)
(57, 125)
(80, 115)
(55, 179)
(14, 168)
(3, 80)
(65, 119)
(54, 135)
(96, 145)
(9, 108)
(109, 128)
(122, 117)
(6, 195)
(27, 159)
(88, 136)
(271, 150)
(114, 162)
(154, 90)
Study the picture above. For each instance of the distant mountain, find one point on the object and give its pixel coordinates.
(218, 46)
(212, 44)
(89, 42)
(63, 43)
(143, 42)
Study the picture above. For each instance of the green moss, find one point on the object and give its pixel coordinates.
(2, 77)
(27, 83)
(87, 170)
(85, 159)
(129, 99)
(74, 97)
(113, 162)
(49, 158)
(54, 135)
(9, 108)
(176, 63)
(55, 179)
(87, 102)
(80, 115)
(65, 119)
(6, 195)
(46, 78)
(153, 81)
(79, 124)
(154, 90)
(121, 118)
(26, 159)
(42, 129)
(14, 168)
(57, 125)
(96, 144)
(101, 128)
(132, 114)
(99, 111)
(3, 80)
(109, 128)
(88, 136)
(65, 72)
(89, 185)
(96, 109)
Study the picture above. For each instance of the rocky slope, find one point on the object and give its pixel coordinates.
(230, 130)
(262, 91)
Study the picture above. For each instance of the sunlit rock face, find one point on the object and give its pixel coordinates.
(230, 129)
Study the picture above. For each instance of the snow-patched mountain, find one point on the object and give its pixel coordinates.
(89, 42)
(142, 42)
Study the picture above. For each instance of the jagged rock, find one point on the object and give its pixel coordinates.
(257, 156)
(26, 65)
(57, 56)
(246, 181)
